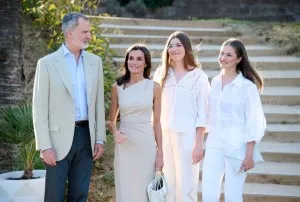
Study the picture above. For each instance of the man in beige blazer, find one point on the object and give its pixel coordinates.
(68, 112)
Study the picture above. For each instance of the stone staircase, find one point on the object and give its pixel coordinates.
(278, 178)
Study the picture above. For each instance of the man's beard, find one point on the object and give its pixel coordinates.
(85, 45)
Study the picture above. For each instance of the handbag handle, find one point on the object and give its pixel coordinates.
(159, 175)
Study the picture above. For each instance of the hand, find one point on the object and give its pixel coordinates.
(98, 151)
(247, 164)
(197, 153)
(49, 157)
(119, 137)
(159, 161)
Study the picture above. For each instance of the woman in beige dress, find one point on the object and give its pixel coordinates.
(138, 149)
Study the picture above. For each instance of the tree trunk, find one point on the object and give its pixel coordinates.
(11, 53)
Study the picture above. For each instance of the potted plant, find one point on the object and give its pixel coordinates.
(16, 127)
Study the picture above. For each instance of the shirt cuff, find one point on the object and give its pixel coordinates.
(99, 142)
(45, 149)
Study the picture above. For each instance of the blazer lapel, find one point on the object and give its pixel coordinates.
(89, 76)
(62, 68)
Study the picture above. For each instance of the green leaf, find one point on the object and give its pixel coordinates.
(52, 7)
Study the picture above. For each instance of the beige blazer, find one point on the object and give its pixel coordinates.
(53, 105)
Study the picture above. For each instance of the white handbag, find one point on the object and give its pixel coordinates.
(236, 157)
(157, 190)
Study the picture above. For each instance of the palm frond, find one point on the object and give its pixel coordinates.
(16, 125)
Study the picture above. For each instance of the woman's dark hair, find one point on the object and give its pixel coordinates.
(189, 59)
(126, 76)
(244, 65)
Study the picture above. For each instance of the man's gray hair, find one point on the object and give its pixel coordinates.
(70, 21)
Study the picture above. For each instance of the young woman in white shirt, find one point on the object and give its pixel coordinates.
(236, 120)
(183, 116)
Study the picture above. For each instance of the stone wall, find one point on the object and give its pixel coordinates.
(281, 10)
(11, 57)
(263, 10)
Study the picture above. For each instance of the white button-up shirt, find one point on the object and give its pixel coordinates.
(78, 83)
(236, 115)
(184, 105)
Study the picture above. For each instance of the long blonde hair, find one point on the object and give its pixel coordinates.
(189, 59)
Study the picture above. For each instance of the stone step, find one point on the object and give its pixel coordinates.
(273, 173)
(282, 133)
(283, 78)
(155, 22)
(265, 192)
(281, 95)
(283, 114)
(159, 39)
(206, 50)
(166, 30)
(263, 63)
(280, 151)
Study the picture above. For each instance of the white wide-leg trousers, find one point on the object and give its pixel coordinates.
(215, 166)
(181, 174)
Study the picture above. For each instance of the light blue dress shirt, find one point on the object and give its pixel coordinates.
(78, 84)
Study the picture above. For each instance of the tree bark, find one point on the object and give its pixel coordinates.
(11, 57)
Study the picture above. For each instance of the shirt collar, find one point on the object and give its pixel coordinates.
(237, 81)
(67, 51)
(191, 73)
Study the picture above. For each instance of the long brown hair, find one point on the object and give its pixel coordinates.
(244, 65)
(189, 59)
(126, 76)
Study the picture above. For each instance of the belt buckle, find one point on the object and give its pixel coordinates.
(77, 122)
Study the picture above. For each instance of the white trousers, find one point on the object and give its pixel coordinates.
(181, 174)
(215, 166)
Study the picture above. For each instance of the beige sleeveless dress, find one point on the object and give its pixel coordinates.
(134, 161)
